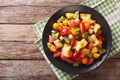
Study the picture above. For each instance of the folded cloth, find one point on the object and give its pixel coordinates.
(109, 9)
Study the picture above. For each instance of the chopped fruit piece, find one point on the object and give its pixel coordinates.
(90, 45)
(77, 46)
(73, 40)
(85, 51)
(57, 26)
(69, 15)
(74, 23)
(65, 31)
(61, 19)
(69, 60)
(99, 32)
(83, 43)
(80, 44)
(76, 64)
(84, 60)
(51, 39)
(74, 31)
(94, 50)
(87, 25)
(100, 44)
(96, 27)
(96, 55)
(76, 15)
(58, 43)
(87, 18)
(82, 27)
(65, 22)
(95, 40)
(65, 50)
(90, 61)
(53, 48)
(63, 57)
(56, 54)
(76, 56)
(49, 44)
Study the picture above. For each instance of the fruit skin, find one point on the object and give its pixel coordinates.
(73, 41)
(82, 27)
(76, 56)
(65, 31)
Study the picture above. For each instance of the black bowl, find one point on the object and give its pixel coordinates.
(106, 44)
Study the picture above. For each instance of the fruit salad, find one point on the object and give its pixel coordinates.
(76, 38)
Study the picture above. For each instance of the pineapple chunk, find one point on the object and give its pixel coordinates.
(95, 40)
(86, 18)
(94, 50)
(69, 15)
(77, 46)
(66, 49)
(96, 27)
(80, 44)
(83, 43)
(58, 43)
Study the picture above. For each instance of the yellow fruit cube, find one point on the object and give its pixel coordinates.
(85, 51)
(96, 27)
(74, 31)
(69, 15)
(65, 50)
(65, 22)
(86, 18)
(94, 50)
(83, 43)
(80, 44)
(95, 40)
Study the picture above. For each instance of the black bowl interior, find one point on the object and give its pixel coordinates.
(63, 65)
